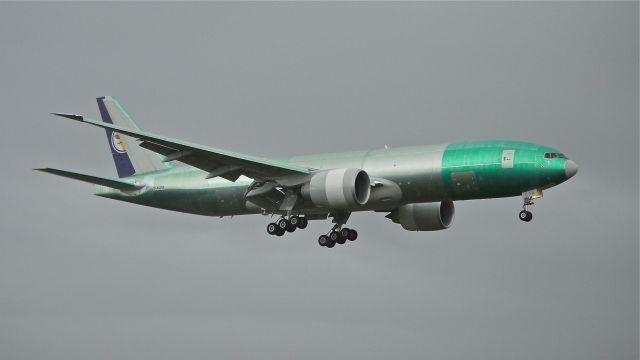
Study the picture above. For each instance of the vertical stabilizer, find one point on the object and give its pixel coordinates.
(128, 156)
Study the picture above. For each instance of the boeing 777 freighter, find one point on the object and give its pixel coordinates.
(415, 186)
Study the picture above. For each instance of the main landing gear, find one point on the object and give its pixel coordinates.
(337, 236)
(284, 225)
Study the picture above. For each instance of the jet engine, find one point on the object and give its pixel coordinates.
(338, 188)
(424, 216)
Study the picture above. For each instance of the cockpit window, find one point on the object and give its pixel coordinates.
(554, 155)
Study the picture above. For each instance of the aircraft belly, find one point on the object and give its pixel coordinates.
(186, 190)
(206, 201)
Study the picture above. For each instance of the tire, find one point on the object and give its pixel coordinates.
(280, 232)
(330, 244)
(352, 235)
(272, 228)
(323, 240)
(294, 220)
(529, 216)
(344, 233)
(525, 215)
(522, 215)
(302, 223)
(283, 224)
(291, 228)
(335, 237)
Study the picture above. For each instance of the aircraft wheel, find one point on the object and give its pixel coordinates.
(335, 237)
(291, 228)
(330, 244)
(525, 215)
(344, 233)
(323, 240)
(352, 235)
(283, 224)
(272, 228)
(280, 232)
(302, 222)
(294, 220)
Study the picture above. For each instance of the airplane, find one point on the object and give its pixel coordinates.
(415, 186)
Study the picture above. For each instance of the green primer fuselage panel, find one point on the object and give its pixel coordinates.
(477, 170)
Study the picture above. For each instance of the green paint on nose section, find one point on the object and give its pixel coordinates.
(486, 169)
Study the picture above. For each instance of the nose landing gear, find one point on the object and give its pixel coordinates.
(528, 198)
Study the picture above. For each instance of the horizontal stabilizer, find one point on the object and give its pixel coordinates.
(112, 183)
(69, 116)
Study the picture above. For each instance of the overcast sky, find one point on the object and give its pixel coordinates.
(83, 277)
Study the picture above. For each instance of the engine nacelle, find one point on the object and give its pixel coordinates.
(338, 188)
(424, 216)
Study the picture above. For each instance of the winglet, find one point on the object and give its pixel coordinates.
(70, 116)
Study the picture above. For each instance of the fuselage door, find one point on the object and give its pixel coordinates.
(507, 158)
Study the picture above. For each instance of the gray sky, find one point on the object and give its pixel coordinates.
(84, 277)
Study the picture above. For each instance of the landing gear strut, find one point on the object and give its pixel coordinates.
(528, 198)
(338, 234)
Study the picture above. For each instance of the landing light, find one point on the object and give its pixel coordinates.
(532, 194)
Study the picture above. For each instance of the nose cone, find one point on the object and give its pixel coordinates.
(570, 168)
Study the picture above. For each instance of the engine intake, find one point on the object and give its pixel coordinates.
(424, 216)
(338, 188)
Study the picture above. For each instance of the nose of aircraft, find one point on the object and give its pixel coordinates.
(570, 168)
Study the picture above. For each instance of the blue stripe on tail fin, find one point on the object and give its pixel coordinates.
(118, 149)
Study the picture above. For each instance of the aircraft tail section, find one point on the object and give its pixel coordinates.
(129, 157)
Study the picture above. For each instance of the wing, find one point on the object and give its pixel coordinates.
(216, 162)
(98, 180)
